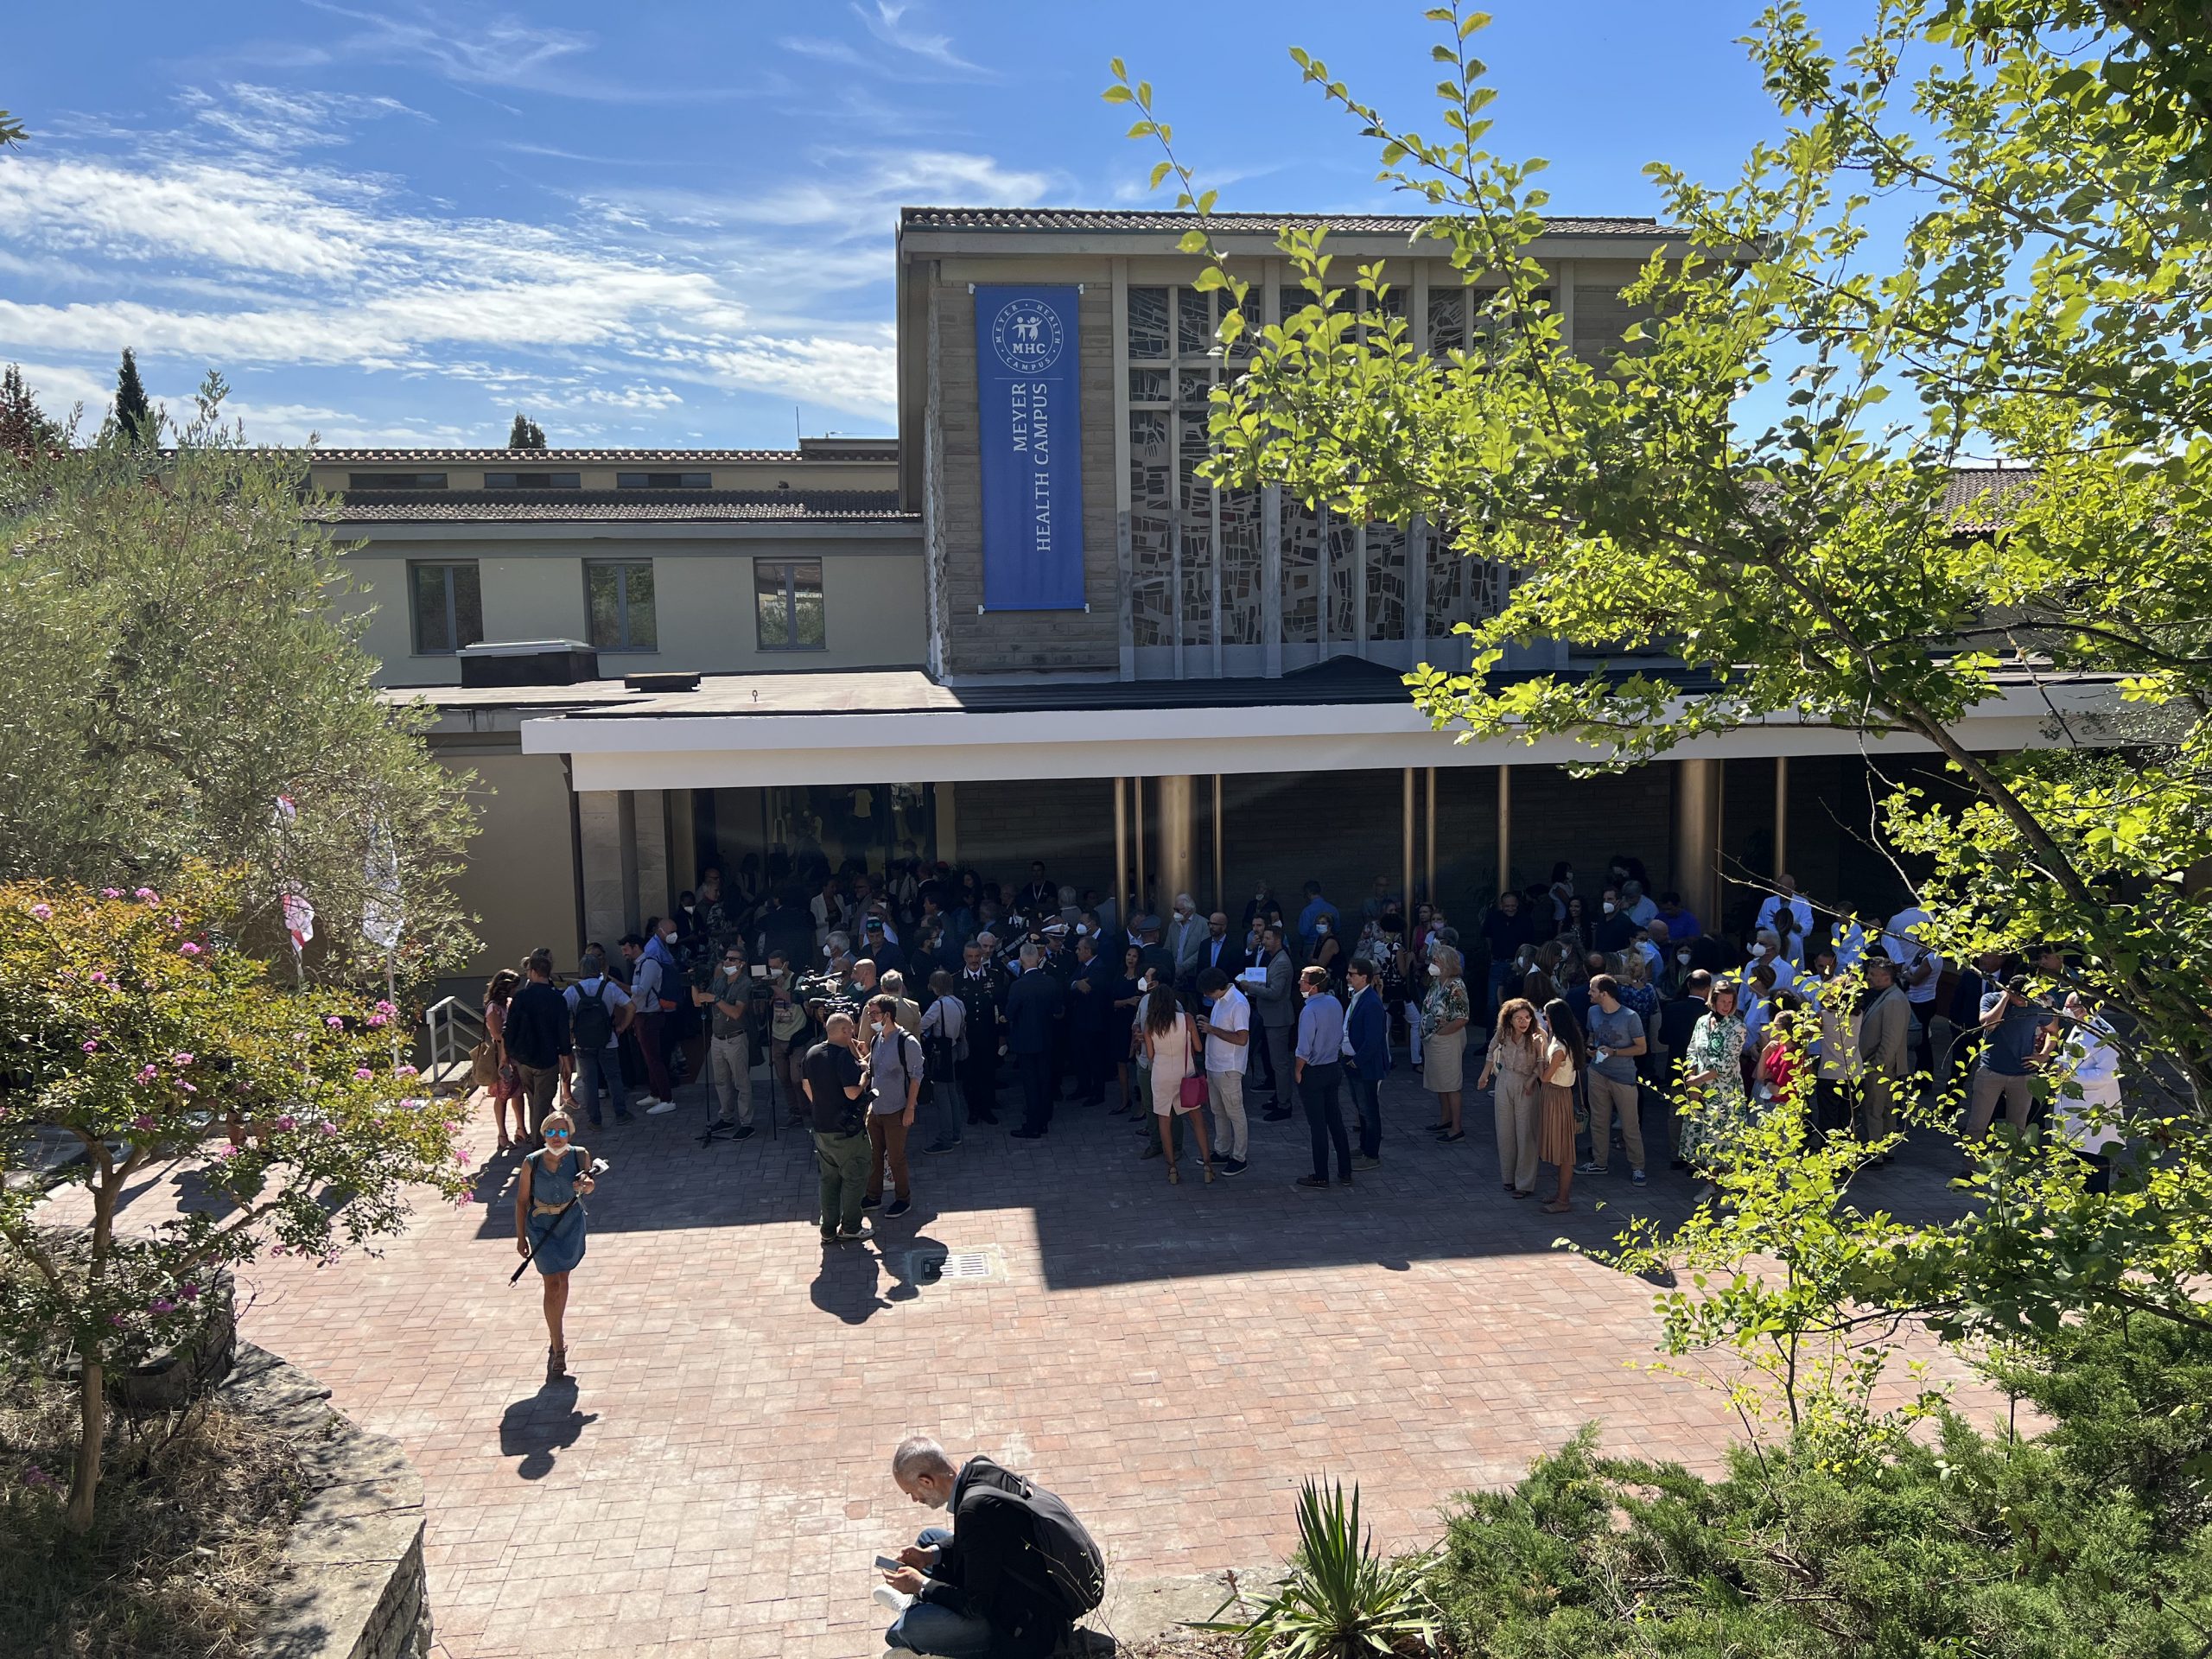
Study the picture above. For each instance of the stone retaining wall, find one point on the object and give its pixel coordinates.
(352, 1585)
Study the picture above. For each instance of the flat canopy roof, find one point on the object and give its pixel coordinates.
(750, 730)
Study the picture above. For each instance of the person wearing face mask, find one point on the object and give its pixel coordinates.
(897, 1066)
(549, 1225)
(1444, 1016)
(1186, 930)
(727, 999)
(1328, 950)
(1007, 1579)
(1615, 927)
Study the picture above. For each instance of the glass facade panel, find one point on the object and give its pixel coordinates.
(1152, 526)
(1344, 584)
(1148, 387)
(1193, 322)
(1447, 320)
(1242, 567)
(1301, 574)
(1148, 323)
(1194, 501)
(1386, 581)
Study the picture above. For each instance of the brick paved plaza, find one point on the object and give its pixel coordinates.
(1172, 1359)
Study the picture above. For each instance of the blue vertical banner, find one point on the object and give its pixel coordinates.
(1029, 368)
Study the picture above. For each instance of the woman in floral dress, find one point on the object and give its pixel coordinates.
(1712, 1079)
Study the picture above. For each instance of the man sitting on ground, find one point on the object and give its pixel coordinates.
(1008, 1580)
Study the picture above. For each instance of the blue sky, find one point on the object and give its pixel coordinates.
(671, 223)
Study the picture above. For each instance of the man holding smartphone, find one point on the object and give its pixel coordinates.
(729, 1054)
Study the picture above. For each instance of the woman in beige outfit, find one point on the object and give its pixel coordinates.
(1517, 1050)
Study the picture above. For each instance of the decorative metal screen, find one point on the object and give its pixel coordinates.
(1301, 574)
(1386, 582)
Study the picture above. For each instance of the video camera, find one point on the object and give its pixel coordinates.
(823, 994)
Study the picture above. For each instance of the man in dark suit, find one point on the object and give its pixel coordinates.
(1677, 1020)
(1217, 951)
(1275, 1011)
(1034, 1006)
(1039, 902)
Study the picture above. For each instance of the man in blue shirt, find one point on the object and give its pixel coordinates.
(1033, 1005)
(2017, 1030)
(1316, 908)
(1320, 1071)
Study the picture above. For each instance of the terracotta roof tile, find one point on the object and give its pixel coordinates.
(555, 506)
(1088, 218)
(538, 460)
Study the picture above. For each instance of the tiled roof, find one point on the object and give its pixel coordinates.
(1974, 497)
(555, 506)
(1111, 219)
(538, 460)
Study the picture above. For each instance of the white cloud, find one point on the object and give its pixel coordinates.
(306, 267)
(274, 120)
(885, 20)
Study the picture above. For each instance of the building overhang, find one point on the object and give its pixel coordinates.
(668, 749)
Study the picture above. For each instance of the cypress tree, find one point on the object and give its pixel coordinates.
(525, 434)
(132, 412)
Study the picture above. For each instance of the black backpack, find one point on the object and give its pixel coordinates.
(592, 1026)
(1062, 1559)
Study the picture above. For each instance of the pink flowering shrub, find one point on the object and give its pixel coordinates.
(120, 1036)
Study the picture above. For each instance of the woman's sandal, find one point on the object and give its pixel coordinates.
(1174, 1176)
(1208, 1168)
(1518, 1193)
(556, 1363)
(1556, 1208)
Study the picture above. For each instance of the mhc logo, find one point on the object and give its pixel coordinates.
(1026, 336)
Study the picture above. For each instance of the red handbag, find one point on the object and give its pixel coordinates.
(1194, 1093)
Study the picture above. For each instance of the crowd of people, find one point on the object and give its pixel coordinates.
(1593, 1013)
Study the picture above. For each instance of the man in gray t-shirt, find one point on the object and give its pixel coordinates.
(1615, 1038)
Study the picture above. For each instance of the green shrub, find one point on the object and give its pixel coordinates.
(2093, 1539)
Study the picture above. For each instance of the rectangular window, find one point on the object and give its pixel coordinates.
(448, 607)
(788, 599)
(664, 480)
(395, 480)
(619, 603)
(533, 480)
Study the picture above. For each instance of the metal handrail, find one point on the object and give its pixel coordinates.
(455, 1028)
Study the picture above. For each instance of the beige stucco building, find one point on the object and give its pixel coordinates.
(1213, 702)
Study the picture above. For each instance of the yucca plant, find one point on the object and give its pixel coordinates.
(1339, 1600)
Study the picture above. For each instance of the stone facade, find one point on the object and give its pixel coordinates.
(351, 1585)
(971, 641)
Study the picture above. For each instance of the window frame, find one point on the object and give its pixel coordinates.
(790, 568)
(628, 646)
(445, 568)
(531, 480)
(367, 483)
(659, 481)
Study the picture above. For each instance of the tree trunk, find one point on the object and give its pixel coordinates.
(85, 1483)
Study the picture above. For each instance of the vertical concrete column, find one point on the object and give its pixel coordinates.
(1136, 829)
(1780, 813)
(1697, 838)
(1406, 863)
(598, 826)
(683, 840)
(947, 823)
(1505, 828)
(1121, 911)
(1432, 837)
(1178, 852)
(655, 893)
(625, 823)
(1220, 900)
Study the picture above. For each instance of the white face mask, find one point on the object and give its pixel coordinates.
(1683, 957)
(1758, 951)
(1321, 927)
(1435, 972)
(1609, 907)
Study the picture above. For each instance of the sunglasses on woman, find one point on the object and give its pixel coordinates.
(557, 1135)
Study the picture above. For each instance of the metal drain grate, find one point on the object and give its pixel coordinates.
(986, 1266)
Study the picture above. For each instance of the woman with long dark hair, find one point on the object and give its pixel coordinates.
(1170, 1043)
(1565, 1053)
(505, 1084)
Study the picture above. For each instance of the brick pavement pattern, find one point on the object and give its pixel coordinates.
(1172, 1359)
